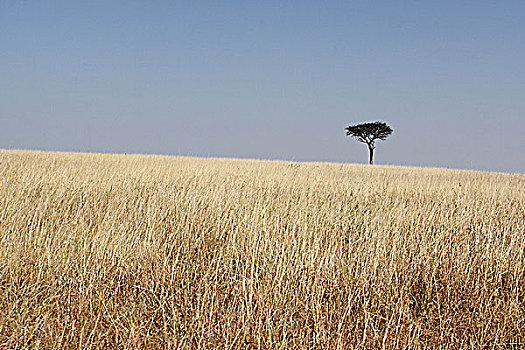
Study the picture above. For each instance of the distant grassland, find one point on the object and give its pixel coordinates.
(125, 251)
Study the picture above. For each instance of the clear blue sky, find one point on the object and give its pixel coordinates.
(268, 79)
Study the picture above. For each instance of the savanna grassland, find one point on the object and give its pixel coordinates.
(125, 251)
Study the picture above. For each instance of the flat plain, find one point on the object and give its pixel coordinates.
(131, 251)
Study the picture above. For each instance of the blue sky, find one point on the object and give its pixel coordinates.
(270, 79)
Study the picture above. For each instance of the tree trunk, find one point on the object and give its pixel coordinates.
(371, 155)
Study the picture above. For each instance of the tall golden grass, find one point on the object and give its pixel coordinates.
(121, 251)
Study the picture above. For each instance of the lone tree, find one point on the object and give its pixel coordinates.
(368, 133)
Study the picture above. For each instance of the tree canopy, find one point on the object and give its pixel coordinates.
(369, 132)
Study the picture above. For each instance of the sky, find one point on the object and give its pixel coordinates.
(267, 79)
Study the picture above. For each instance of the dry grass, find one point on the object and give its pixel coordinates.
(116, 251)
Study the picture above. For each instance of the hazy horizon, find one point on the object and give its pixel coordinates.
(267, 81)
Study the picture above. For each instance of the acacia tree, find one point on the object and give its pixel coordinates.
(368, 133)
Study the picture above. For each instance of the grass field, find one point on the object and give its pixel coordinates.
(126, 251)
